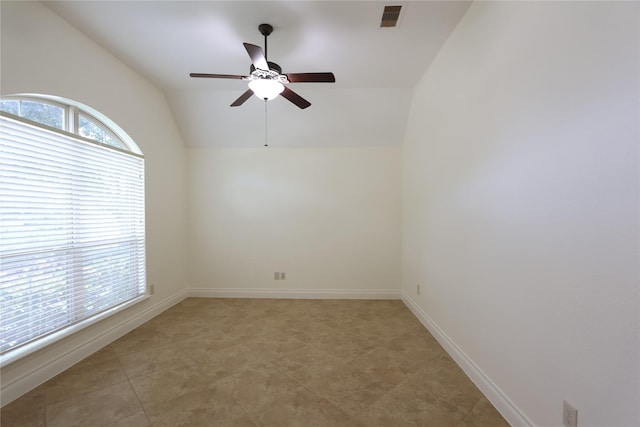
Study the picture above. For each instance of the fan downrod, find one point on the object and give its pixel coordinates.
(265, 30)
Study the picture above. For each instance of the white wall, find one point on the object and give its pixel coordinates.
(329, 218)
(43, 54)
(521, 206)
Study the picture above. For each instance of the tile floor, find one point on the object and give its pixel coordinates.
(259, 362)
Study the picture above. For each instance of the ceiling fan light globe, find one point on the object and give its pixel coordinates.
(266, 88)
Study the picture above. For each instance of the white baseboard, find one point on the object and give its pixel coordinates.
(294, 293)
(15, 388)
(503, 404)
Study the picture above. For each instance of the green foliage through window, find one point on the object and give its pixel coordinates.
(12, 107)
(47, 114)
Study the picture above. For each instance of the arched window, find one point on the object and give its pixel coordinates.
(72, 228)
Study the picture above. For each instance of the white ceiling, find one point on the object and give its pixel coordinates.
(375, 68)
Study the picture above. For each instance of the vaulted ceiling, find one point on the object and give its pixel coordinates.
(376, 68)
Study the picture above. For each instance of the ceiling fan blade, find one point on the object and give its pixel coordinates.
(218, 76)
(242, 98)
(311, 77)
(295, 98)
(257, 56)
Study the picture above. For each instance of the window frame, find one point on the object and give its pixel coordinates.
(72, 110)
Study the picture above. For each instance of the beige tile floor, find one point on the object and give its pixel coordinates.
(260, 362)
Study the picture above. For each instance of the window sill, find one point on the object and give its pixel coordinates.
(22, 351)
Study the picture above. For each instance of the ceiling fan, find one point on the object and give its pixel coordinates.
(266, 79)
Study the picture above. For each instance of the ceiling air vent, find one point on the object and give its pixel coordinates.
(390, 16)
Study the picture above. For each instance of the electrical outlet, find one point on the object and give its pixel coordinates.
(569, 415)
(282, 275)
(152, 289)
(276, 275)
(418, 289)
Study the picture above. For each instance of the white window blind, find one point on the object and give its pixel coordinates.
(72, 232)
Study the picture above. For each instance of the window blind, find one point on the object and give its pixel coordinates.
(72, 232)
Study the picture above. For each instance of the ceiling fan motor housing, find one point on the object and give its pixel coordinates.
(272, 66)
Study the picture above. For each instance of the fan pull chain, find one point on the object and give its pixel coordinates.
(265, 123)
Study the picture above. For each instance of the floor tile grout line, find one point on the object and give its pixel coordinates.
(134, 391)
(79, 395)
